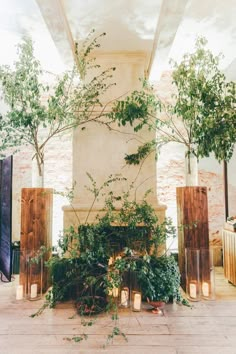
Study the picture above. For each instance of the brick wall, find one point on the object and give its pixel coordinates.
(58, 175)
(170, 174)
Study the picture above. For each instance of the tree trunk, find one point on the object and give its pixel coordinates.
(191, 169)
(37, 173)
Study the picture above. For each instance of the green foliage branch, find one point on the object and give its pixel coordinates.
(37, 111)
(204, 103)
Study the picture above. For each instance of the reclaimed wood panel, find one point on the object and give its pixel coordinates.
(36, 227)
(193, 229)
(229, 255)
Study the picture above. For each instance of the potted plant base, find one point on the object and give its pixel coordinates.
(157, 306)
(193, 230)
(36, 225)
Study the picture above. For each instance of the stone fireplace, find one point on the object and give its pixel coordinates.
(100, 152)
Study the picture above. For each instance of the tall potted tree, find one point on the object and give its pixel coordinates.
(201, 116)
(36, 113)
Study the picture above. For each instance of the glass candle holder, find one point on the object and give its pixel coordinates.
(125, 290)
(115, 292)
(207, 274)
(136, 296)
(31, 275)
(193, 288)
(136, 301)
(124, 297)
(35, 278)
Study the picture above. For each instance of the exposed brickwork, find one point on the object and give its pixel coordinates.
(58, 175)
(170, 174)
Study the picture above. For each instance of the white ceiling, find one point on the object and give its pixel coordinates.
(160, 28)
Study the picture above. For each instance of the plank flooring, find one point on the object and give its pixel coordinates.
(207, 327)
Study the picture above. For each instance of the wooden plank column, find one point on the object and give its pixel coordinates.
(229, 255)
(36, 225)
(193, 230)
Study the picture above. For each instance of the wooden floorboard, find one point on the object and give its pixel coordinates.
(207, 327)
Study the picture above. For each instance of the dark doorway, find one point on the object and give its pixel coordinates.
(6, 217)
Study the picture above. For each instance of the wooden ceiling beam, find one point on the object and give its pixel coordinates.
(54, 15)
(167, 25)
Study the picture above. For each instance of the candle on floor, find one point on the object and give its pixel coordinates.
(137, 302)
(205, 289)
(33, 291)
(19, 292)
(115, 292)
(124, 297)
(193, 290)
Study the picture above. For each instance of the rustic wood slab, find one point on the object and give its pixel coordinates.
(229, 255)
(193, 230)
(36, 226)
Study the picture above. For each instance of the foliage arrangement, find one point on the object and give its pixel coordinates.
(132, 236)
(87, 249)
(37, 112)
(203, 102)
(127, 229)
(158, 277)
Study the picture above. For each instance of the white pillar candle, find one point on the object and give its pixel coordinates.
(33, 291)
(124, 297)
(193, 290)
(137, 302)
(205, 289)
(19, 292)
(115, 292)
